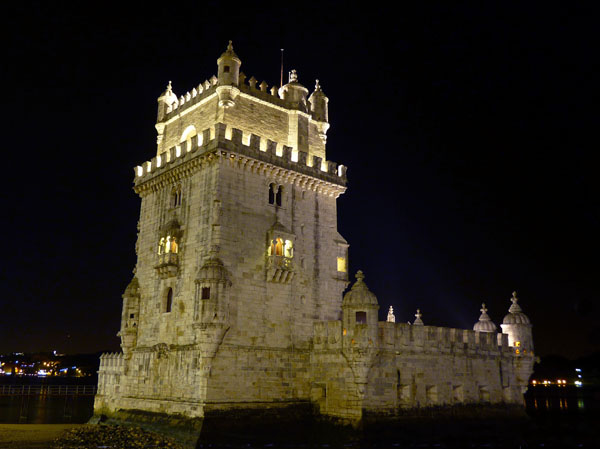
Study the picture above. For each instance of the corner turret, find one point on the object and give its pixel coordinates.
(485, 324)
(518, 327)
(166, 99)
(228, 67)
(319, 110)
(228, 76)
(130, 317)
(319, 104)
(294, 92)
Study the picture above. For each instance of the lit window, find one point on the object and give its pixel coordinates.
(341, 264)
(171, 244)
(288, 249)
(518, 344)
(161, 246)
(276, 248)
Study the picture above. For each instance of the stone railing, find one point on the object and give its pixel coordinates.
(281, 262)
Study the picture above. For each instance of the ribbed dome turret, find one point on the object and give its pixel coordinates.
(133, 288)
(359, 294)
(294, 92)
(515, 314)
(485, 324)
(213, 270)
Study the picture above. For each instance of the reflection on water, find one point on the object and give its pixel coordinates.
(42, 409)
(559, 400)
(46, 408)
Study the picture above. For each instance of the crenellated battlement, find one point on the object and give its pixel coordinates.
(192, 97)
(261, 91)
(112, 361)
(405, 337)
(226, 138)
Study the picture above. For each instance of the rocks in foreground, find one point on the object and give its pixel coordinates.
(112, 437)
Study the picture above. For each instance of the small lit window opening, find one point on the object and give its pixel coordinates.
(341, 264)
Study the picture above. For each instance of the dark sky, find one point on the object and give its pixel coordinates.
(468, 131)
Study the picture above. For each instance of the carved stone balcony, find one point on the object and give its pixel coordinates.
(280, 269)
(168, 265)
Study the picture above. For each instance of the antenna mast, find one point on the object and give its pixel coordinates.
(281, 79)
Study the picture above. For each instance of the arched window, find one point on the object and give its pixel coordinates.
(161, 246)
(186, 137)
(170, 244)
(169, 300)
(278, 196)
(288, 250)
(279, 247)
(175, 200)
(271, 193)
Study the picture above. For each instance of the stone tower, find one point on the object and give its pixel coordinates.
(236, 304)
(237, 253)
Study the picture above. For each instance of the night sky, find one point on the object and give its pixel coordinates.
(468, 131)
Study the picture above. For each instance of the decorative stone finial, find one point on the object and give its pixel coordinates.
(293, 76)
(483, 309)
(169, 87)
(515, 307)
(230, 46)
(418, 321)
(317, 85)
(391, 318)
(359, 276)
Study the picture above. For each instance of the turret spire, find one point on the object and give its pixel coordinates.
(418, 321)
(391, 318)
(515, 307)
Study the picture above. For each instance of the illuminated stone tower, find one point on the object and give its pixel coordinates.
(238, 250)
(236, 303)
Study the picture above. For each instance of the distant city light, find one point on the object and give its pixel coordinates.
(578, 383)
(578, 370)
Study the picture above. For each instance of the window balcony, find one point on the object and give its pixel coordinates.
(168, 265)
(280, 269)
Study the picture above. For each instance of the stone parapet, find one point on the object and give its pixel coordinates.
(230, 142)
(405, 337)
(208, 87)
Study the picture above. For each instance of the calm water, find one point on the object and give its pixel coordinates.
(44, 409)
(560, 418)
